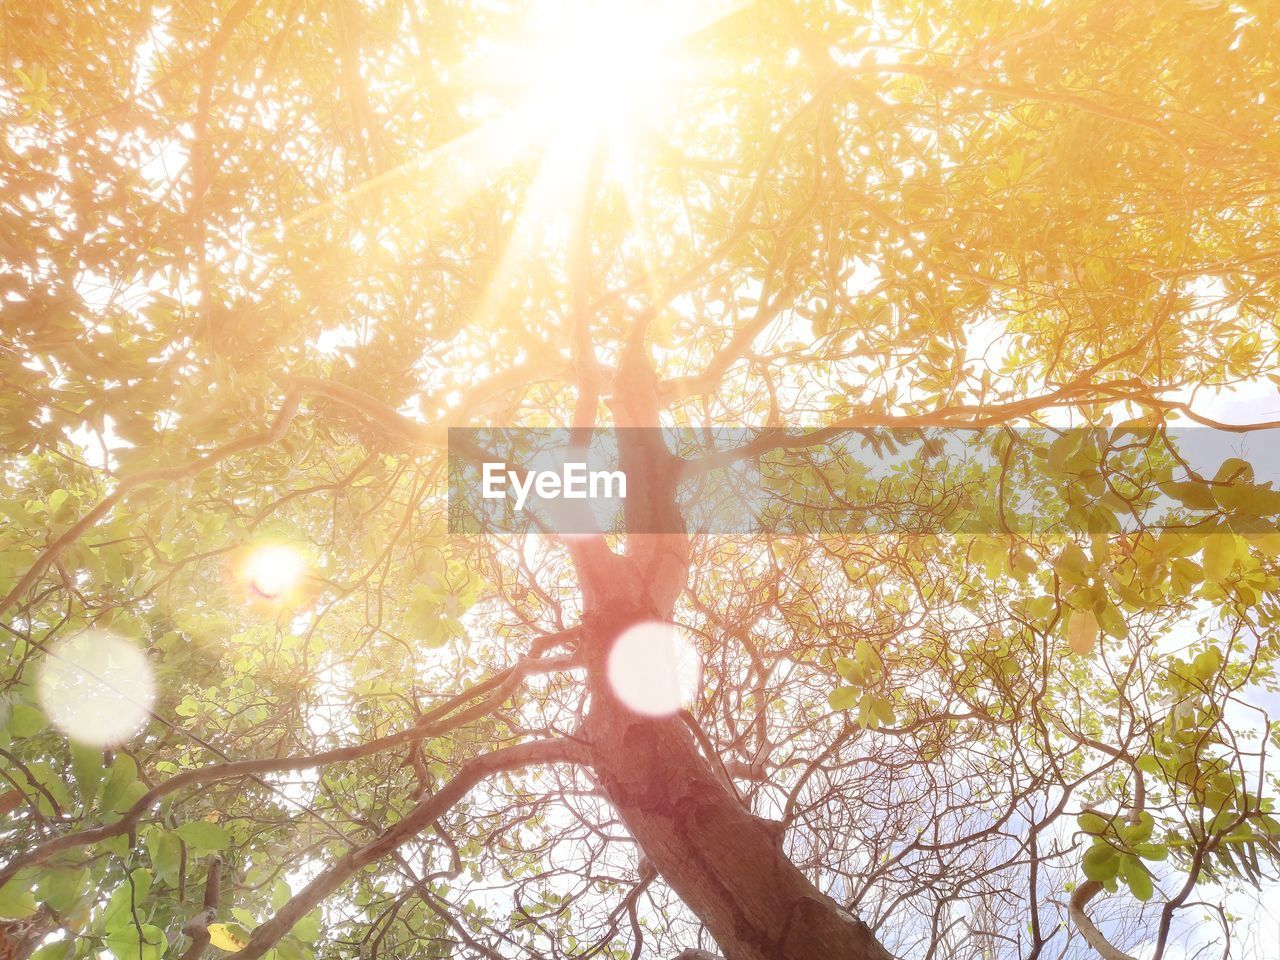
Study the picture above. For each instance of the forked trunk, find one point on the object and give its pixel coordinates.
(726, 864)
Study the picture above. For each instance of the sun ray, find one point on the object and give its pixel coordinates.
(453, 171)
(592, 70)
(584, 74)
(563, 168)
(629, 174)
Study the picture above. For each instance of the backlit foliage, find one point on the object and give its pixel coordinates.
(215, 218)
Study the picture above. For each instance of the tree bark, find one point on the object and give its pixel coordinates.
(726, 864)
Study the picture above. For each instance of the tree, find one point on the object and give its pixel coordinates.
(262, 253)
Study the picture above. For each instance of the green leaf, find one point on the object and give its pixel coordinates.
(118, 792)
(16, 901)
(1184, 574)
(126, 899)
(202, 835)
(1151, 851)
(1234, 470)
(1113, 623)
(882, 710)
(137, 942)
(26, 721)
(308, 928)
(424, 612)
(1023, 565)
(1149, 764)
(1139, 880)
(1139, 832)
(1092, 823)
(1063, 449)
(1219, 556)
(87, 768)
(868, 658)
(56, 501)
(1197, 496)
(59, 950)
(1101, 862)
(165, 850)
(1206, 664)
(280, 895)
(1249, 500)
(52, 785)
(1082, 632)
(866, 712)
(62, 887)
(843, 698)
(1072, 565)
(231, 937)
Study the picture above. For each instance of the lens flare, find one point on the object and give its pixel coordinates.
(654, 669)
(273, 572)
(96, 688)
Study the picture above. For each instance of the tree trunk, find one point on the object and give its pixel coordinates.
(726, 864)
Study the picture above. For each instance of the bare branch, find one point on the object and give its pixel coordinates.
(398, 425)
(284, 416)
(419, 818)
(498, 687)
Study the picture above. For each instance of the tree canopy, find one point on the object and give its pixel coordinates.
(260, 696)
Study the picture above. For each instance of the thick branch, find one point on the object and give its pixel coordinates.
(964, 417)
(399, 426)
(1092, 935)
(498, 688)
(418, 819)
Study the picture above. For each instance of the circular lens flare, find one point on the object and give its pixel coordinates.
(273, 572)
(654, 669)
(96, 688)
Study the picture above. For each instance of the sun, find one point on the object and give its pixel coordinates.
(273, 571)
(589, 83)
(596, 63)
(571, 68)
(583, 86)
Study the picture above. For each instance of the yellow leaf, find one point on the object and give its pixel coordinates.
(1082, 632)
(220, 936)
(1219, 556)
